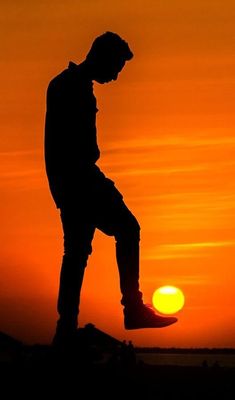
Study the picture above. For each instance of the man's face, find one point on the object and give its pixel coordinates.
(108, 70)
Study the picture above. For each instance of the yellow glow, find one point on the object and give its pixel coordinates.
(168, 299)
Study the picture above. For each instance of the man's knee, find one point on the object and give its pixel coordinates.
(129, 230)
(77, 253)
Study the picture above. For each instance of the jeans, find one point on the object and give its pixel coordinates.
(100, 206)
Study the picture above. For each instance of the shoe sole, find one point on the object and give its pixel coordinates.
(160, 325)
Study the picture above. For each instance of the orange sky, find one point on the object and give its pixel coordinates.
(166, 135)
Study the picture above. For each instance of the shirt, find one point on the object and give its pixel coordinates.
(71, 149)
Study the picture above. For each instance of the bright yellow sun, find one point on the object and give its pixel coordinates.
(168, 299)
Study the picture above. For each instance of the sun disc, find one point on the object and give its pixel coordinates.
(168, 299)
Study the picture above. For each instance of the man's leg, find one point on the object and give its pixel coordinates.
(136, 313)
(127, 235)
(117, 220)
(78, 235)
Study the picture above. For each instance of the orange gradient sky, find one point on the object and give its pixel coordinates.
(166, 135)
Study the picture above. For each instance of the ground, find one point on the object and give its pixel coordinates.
(46, 372)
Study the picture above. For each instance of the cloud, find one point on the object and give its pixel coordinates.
(22, 168)
(150, 143)
(168, 155)
(178, 280)
(183, 250)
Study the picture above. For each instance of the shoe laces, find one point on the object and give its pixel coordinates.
(150, 307)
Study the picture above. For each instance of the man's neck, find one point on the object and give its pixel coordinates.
(83, 67)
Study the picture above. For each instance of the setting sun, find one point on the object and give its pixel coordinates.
(168, 299)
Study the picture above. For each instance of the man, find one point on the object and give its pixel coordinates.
(86, 198)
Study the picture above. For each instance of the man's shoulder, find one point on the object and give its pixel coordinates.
(59, 80)
(70, 77)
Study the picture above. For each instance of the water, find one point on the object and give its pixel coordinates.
(188, 359)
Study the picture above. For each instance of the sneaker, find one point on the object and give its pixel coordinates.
(144, 316)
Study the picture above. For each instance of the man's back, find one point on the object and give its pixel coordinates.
(70, 132)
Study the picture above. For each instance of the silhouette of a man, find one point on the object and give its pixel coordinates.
(86, 198)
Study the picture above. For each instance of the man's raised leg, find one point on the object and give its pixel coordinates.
(136, 314)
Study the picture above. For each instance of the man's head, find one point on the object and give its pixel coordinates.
(107, 57)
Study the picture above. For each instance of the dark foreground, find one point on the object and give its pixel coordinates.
(44, 372)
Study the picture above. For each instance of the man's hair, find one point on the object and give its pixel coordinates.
(110, 45)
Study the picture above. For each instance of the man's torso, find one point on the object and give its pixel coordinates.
(71, 149)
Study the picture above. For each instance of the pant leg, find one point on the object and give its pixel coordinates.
(78, 235)
(115, 219)
(127, 235)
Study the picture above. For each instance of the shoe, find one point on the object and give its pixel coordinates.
(143, 316)
(65, 335)
(64, 340)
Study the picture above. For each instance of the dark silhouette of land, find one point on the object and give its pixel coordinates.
(100, 366)
(187, 350)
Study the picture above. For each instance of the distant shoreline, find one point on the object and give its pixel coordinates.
(186, 350)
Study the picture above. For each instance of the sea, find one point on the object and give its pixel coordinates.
(188, 359)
